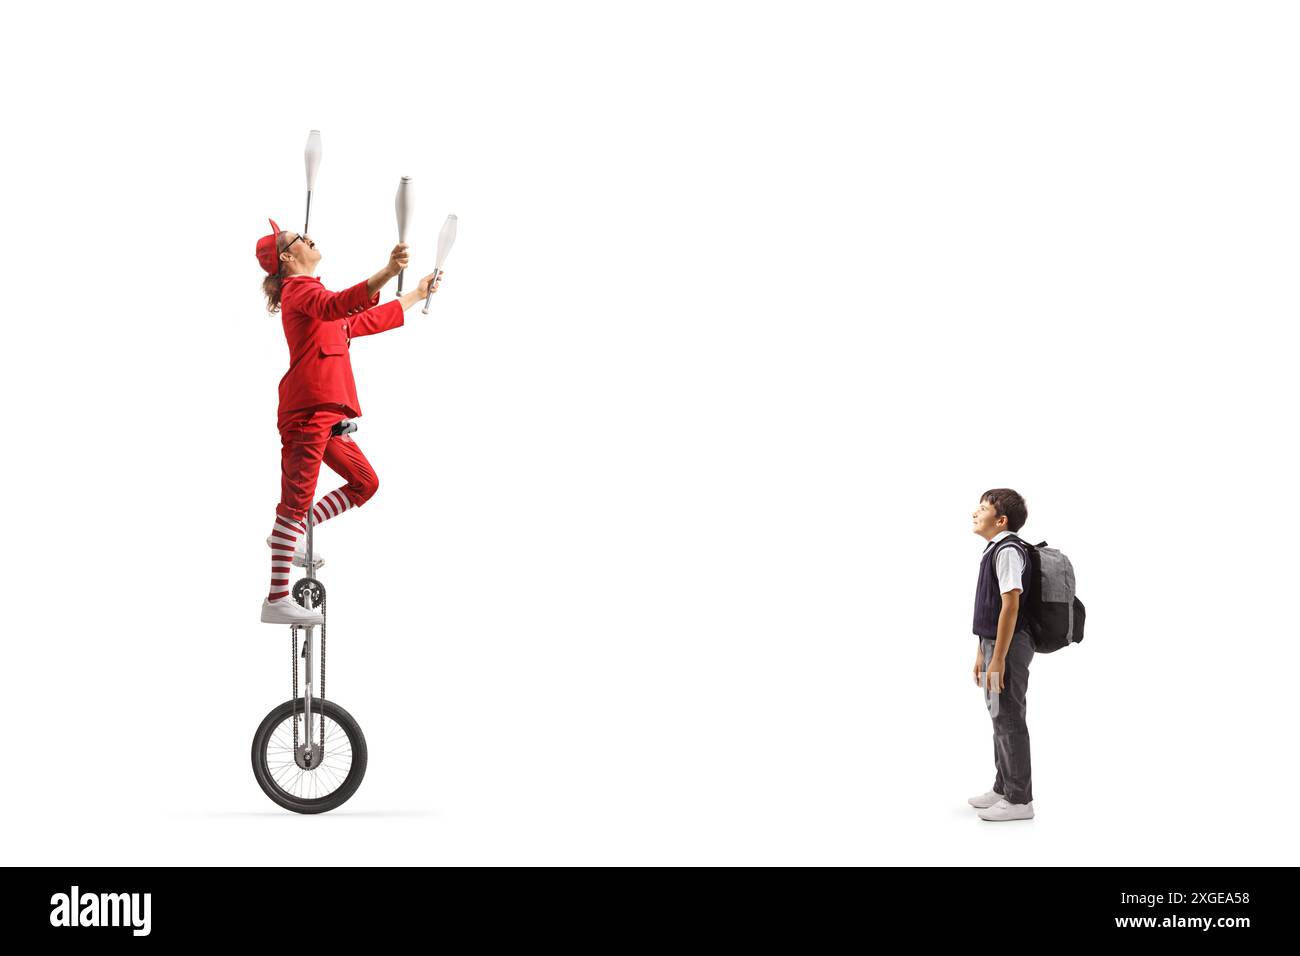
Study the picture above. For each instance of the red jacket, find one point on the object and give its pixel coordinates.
(319, 325)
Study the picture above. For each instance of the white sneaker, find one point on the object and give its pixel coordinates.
(1008, 811)
(985, 800)
(300, 553)
(286, 610)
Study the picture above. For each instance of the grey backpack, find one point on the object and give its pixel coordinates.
(1056, 614)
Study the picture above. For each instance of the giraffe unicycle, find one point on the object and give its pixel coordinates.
(309, 754)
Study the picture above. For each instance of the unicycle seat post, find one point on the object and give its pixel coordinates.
(343, 427)
(311, 570)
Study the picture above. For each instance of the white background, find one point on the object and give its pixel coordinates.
(670, 560)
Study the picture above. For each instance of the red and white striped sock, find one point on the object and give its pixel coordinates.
(284, 538)
(330, 506)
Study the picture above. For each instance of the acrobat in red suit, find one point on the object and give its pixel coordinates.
(317, 392)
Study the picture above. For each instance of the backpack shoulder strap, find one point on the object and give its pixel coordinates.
(1012, 540)
(1029, 553)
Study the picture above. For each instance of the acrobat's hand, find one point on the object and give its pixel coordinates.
(423, 287)
(398, 258)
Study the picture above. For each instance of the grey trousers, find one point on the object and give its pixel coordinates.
(1010, 732)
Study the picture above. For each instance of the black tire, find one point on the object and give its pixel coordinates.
(267, 768)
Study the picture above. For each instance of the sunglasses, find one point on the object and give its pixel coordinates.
(307, 239)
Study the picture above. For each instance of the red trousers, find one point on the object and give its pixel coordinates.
(305, 441)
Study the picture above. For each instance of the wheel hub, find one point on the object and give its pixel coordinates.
(309, 755)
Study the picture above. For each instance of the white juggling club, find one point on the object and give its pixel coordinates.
(404, 203)
(312, 157)
(445, 238)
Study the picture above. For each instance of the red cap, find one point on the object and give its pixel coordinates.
(268, 255)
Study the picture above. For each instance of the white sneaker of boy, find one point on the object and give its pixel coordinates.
(985, 800)
(1008, 811)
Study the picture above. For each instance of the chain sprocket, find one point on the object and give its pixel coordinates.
(302, 586)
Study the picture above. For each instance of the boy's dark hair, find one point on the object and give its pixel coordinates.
(1009, 503)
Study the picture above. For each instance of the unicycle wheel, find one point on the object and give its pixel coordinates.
(305, 780)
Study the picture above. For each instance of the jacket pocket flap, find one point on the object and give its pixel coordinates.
(333, 348)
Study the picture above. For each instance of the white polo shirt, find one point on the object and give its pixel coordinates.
(1011, 566)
